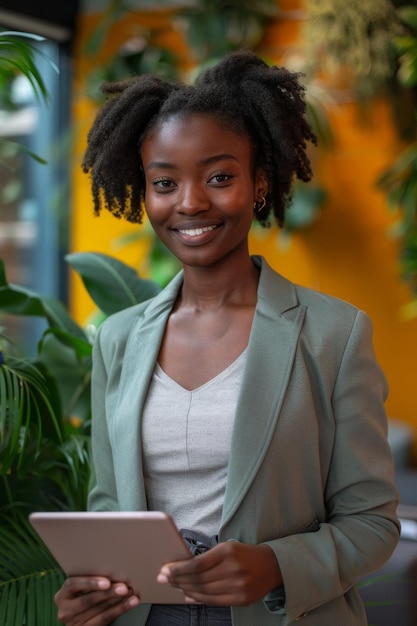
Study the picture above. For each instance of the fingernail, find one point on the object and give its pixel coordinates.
(133, 601)
(161, 578)
(103, 584)
(121, 590)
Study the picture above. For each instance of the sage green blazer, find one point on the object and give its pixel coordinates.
(310, 469)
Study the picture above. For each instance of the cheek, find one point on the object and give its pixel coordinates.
(156, 206)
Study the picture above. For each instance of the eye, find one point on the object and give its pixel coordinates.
(164, 184)
(220, 178)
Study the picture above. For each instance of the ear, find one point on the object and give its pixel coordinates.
(261, 185)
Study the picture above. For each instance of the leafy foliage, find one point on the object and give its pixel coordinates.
(377, 43)
(112, 284)
(18, 56)
(399, 181)
(215, 27)
(29, 576)
(356, 35)
(44, 429)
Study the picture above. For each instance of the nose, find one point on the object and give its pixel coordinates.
(193, 199)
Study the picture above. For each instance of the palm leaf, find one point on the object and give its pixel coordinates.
(25, 408)
(44, 459)
(18, 56)
(24, 149)
(29, 575)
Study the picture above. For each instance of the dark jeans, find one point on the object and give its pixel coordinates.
(189, 615)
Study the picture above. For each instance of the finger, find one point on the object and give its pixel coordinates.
(198, 564)
(219, 594)
(219, 563)
(213, 600)
(100, 614)
(92, 601)
(75, 585)
(214, 587)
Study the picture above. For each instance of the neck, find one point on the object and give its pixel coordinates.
(224, 285)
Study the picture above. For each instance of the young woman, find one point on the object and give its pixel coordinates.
(247, 407)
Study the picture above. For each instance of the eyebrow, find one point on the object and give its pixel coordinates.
(212, 159)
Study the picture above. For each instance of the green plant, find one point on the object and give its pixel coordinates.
(45, 400)
(44, 428)
(18, 57)
(214, 27)
(138, 55)
(399, 181)
(356, 35)
(377, 43)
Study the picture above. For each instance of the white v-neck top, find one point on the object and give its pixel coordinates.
(186, 438)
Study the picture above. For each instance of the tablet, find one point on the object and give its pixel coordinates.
(126, 547)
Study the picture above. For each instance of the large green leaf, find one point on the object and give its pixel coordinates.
(112, 284)
(23, 301)
(161, 264)
(69, 358)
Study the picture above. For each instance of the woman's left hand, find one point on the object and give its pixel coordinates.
(230, 574)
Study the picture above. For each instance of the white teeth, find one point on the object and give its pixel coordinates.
(196, 231)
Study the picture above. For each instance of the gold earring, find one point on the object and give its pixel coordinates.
(258, 206)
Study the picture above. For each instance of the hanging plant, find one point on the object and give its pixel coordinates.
(399, 181)
(138, 55)
(215, 27)
(17, 58)
(356, 35)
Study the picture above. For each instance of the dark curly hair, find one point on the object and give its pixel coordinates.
(241, 91)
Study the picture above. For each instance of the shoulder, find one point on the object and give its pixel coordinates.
(326, 318)
(333, 324)
(120, 323)
(326, 306)
(118, 327)
(113, 335)
(284, 295)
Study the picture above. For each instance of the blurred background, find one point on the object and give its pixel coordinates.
(350, 233)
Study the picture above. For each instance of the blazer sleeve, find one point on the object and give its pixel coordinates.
(102, 493)
(361, 529)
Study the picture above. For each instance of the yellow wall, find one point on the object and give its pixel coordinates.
(348, 252)
(89, 233)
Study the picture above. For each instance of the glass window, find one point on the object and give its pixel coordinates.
(34, 197)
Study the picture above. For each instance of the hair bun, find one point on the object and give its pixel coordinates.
(232, 68)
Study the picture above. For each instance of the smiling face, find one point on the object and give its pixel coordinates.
(200, 188)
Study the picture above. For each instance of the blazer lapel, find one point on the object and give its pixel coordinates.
(271, 350)
(139, 360)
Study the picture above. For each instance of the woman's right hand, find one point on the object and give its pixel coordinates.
(93, 601)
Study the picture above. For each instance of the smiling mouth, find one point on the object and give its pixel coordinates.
(194, 232)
